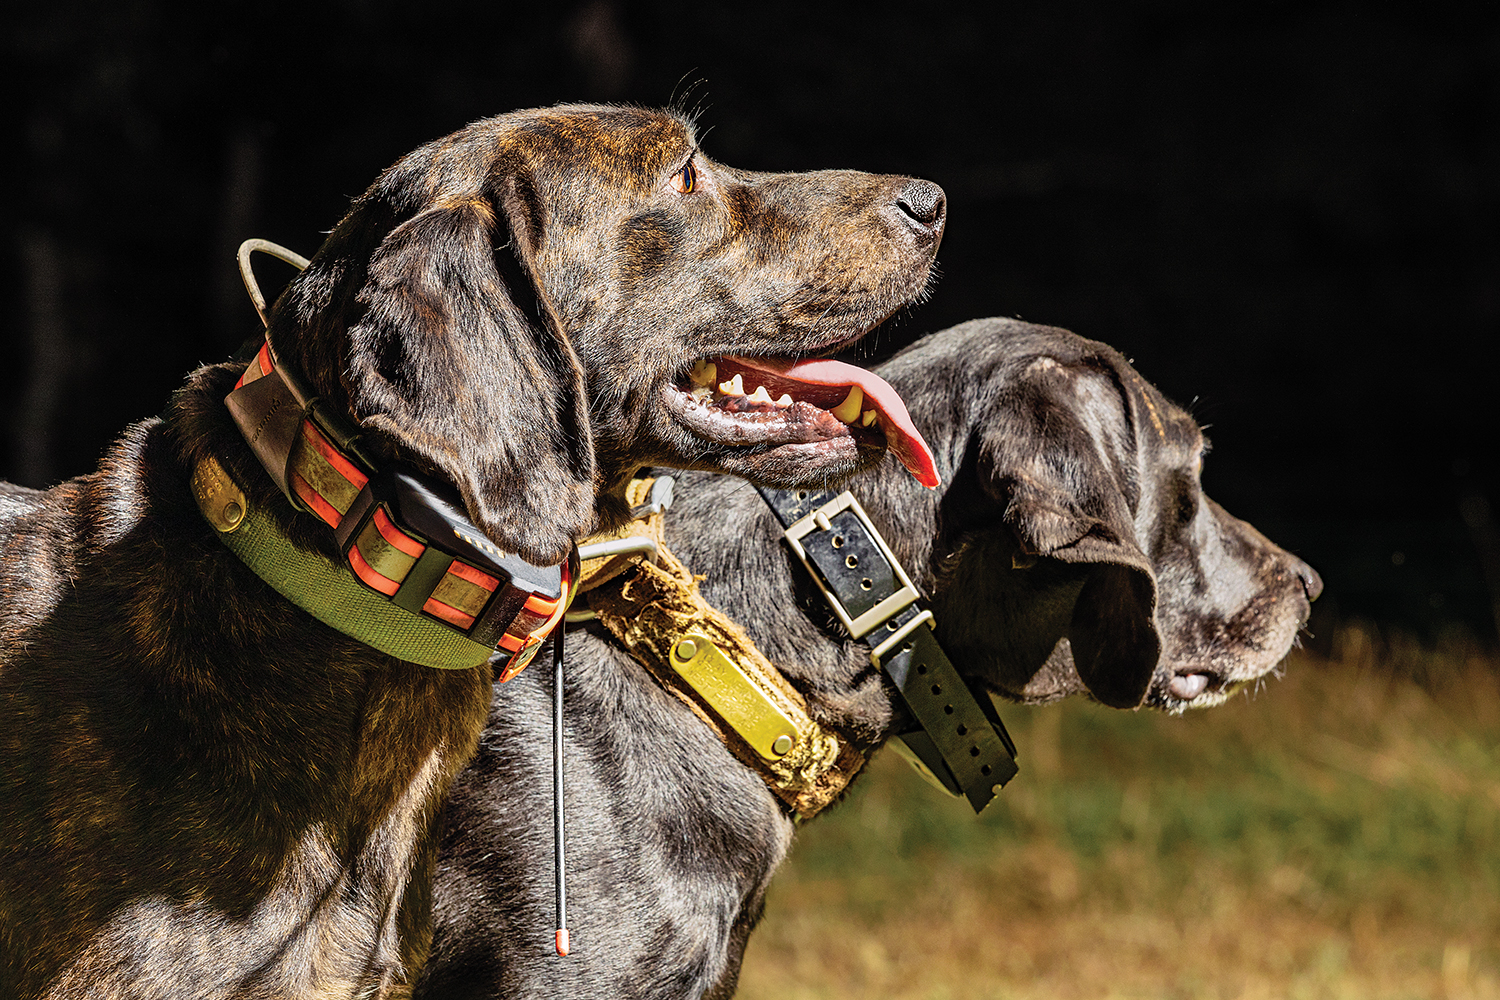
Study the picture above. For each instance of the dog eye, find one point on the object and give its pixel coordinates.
(686, 179)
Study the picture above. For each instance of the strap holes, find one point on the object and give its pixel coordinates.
(851, 561)
(963, 730)
(948, 709)
(937, 689)
(866, 583)
(921, 667)
(838, 542)
(973, 751)
(892, 625)
(984, 769)
(801, 494)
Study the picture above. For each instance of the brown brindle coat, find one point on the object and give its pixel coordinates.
(204, 791)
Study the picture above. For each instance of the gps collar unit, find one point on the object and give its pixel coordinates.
(431, 588)
(960, 744)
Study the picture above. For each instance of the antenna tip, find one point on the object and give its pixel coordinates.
(562, 941)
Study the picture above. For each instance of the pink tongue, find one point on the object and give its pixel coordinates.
(901, 435)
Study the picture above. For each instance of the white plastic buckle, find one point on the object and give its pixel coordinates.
(819, 520)
(880, 652)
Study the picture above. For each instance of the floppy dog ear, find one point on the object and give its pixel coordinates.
(1046, 453)
(445, 364)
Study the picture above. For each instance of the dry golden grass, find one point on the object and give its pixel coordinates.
(1337, 835)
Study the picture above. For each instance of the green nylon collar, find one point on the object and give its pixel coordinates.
(324, 589)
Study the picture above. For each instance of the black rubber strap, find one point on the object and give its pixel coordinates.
(971, 744)
(962, 741)
(791, 506)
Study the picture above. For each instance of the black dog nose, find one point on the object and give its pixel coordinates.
(1312, 583)
(923, 205)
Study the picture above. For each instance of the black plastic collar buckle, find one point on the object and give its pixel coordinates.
(962, 746)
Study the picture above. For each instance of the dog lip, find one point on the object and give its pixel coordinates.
(824, 384)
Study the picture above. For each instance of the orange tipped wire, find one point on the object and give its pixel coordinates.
(557, 789)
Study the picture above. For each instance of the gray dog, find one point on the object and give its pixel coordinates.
(1071, 551)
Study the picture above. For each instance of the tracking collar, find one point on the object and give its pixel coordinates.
(960, 744)
(419, 580)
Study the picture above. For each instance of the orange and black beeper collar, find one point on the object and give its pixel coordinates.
(403, 535)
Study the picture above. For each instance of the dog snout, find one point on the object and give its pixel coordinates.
(923, 207)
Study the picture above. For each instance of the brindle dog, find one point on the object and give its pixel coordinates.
(206, 792)
(1072, 551)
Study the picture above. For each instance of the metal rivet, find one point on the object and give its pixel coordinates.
(782, 745)
(685, 650)
(233, 514)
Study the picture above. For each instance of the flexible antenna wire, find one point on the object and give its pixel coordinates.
(562, 943)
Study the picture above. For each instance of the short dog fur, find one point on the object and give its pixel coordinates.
(204, 791)
(1071, 551)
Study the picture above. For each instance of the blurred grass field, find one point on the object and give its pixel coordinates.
(1336, 834)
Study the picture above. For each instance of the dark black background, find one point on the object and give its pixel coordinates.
(1286, 214)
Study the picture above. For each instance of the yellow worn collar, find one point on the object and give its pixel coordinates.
(698, 654)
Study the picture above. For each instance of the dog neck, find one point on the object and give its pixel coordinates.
(654, 610)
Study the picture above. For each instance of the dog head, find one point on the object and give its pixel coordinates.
(540, 303)
(1078, 550)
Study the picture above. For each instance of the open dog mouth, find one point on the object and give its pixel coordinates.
(779, 401)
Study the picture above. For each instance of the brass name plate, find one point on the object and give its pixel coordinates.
(731, 694)
(220, 500)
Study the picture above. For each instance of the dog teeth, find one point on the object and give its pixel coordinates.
(867, 418)
(848, 410)
(703, 372)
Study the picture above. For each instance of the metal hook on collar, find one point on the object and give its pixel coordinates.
(247, 273)
(618, 547)
(659, 500)
(601, 550)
